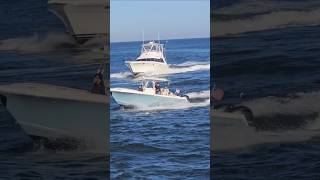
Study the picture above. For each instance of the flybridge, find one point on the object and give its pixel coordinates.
(151, 59)
(152, 46)
(152, 51)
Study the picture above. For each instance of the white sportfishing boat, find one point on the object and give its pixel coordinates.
(151, 59)
(58, 112)
(149, 94)
(84, 19)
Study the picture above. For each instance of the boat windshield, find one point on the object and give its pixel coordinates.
(151, 59)
(152, 47)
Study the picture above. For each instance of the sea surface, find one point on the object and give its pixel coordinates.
(165, 142)
(34, 47)
(268, 51)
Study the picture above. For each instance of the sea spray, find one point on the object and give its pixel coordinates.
(299, 105)
(38, 43)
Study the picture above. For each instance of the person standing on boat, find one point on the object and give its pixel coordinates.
(98, 85)
(177, 92)
(158, 89)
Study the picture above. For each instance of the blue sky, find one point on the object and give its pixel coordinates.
(173, 19)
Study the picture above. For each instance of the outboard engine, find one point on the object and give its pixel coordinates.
(234, 108)
(186, 97)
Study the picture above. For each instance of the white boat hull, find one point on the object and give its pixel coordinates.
(83, 20)
(222, 118)
(57, 112)
(137, 67)
(127, 97)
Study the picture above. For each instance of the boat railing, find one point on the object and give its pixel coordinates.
(151, 59)
(152, 47)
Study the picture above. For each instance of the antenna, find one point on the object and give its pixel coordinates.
(158, 38)
(143, 36)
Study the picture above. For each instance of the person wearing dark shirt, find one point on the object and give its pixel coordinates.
(158, 89)
(98, 85)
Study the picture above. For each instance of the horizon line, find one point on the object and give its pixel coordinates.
(160, 39)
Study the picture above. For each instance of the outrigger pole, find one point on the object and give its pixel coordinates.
(143, 36)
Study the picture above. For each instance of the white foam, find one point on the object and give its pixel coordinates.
(233, 138)
(201, 94)
(187, 66)
(297, 104)
(176, 106)
(269, 16)
(36, 43)
(121, 75)
(192, 63)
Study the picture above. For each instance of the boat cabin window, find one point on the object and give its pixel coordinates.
(151, 59)
(149, 84)
(152, 47)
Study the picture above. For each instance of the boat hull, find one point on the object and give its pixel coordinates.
(83, 21)
(43, 115)
(131, 99)
(137, 67)
(222, 118)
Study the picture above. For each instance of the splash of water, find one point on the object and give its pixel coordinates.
(253, 16)
(121, 75)
(37, 43)
(187, 66)
(201, 94)
(302, 104)
(299, 103)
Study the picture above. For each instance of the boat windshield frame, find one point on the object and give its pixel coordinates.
(153, 47)
(152, 59)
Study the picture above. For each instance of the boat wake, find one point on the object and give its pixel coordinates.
(278, 120)
(187, 66)
(121, 75)
(66, 145)
(136, 78)
(38, 43)
(48, 42)
(253, 16)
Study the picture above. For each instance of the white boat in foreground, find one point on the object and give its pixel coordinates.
(148, 95)
(151, 59)
(231, 116)
(228, 114)
(83, 19)
(56, 112)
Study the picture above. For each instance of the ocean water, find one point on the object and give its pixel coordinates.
(269, 52)
(168, 142)
(35, 48)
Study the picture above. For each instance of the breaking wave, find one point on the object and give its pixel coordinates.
(300, 105)
(38, 43)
